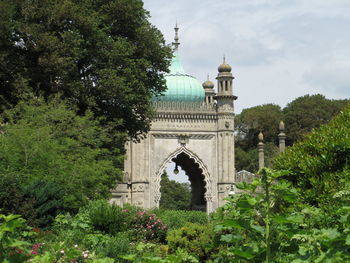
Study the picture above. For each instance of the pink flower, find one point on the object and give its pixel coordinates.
(35, 253)
(36, 246)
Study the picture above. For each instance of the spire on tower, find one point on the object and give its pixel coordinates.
(176, 38)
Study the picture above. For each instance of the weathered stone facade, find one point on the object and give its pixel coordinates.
(196, 135)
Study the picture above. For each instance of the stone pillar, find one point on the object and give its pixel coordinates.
(261, 151)
(282, 137)
(225, 130)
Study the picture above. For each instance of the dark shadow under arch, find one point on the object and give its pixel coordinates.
(196, 178)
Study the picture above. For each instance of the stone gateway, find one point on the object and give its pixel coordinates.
(193, 127)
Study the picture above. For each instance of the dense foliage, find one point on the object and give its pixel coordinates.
(308, 112)
(101, 55)
(251, 121)
(320, 164)
(175, 195)
(53, 160)
(179, 218)
(196, 239)
(99, 231)
(300, 116)
(268, 223)
(76, 77)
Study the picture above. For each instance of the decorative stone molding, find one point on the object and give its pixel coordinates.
(183, 106)
(184, 116)
(183, 139)
(177, 136)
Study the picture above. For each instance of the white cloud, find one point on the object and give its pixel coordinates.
(331, 77)
(279, 49)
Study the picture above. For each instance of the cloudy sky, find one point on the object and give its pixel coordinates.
(278, 49)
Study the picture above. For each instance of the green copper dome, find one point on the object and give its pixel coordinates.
(180, 86)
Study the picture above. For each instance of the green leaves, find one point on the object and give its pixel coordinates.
(320, 163)
(253, 222)
(12, 231)
(104, 56)
(59, 158)
(174, 195)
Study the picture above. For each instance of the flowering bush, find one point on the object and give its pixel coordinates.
(63, 253)
(15, 243)
(149, 227)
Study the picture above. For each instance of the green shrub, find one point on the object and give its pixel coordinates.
(148, 227)
(110, 219)
(48, 196)
(259, 223)
(114, 247)
(320, 164)
(15, 245)
(48, 141)
(196, 239)
(71, 229)
(13, 199)
(179, 218)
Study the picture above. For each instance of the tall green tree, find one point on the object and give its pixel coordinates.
(175, 195)
(300, 116)
(251, 121)
(248, 124)
(102, 55)
(53, 159)
(308, 112)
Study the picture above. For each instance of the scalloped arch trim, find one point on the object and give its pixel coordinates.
(192, 155)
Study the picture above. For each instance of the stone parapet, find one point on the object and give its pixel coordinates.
(184, 107)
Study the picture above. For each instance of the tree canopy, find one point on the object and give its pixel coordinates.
(49, 153)
(102, 55)
(300, 116)
(251, 121)
(308, 112)
(175, 195)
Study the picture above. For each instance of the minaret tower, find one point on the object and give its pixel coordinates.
(225, 127)
(208, 87)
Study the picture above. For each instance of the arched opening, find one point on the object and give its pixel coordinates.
(196, 180)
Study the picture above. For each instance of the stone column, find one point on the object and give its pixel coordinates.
(261, 150)
(282, 137)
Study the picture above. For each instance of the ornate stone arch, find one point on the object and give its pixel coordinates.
(207, 179)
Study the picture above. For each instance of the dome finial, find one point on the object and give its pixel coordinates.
(176, 38)
(224, 67)
(208, 84)
(261, 136)
(281, 126)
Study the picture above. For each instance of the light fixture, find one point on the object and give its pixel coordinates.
(176, 170)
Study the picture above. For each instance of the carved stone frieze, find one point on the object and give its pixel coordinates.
(183, 136)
